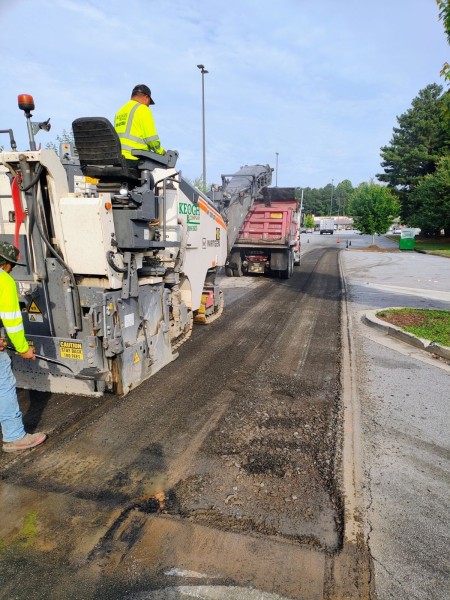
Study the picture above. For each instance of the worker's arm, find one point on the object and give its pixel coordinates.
(11, 317)
(148, 129)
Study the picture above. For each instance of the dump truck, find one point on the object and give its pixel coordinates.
(268, 242)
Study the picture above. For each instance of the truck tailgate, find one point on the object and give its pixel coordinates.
(266, 225)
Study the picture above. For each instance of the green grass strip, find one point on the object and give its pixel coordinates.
(434, 324)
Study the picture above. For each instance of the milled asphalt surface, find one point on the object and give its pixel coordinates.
(403, 398)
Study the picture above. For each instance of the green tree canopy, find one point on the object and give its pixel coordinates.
(431, 201)
(373, 208)
(319, 201)
(309, 222)
(444, 16)
(342, 195)
(418, 142)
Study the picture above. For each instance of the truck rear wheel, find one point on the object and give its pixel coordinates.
(229, 272)
(287, 273)
(236, 261)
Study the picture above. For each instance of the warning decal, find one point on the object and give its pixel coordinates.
(34, 308)
(36, 318)
(136, 358)
(72, 350)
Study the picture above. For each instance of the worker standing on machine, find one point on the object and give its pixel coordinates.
(14, 436)
(135, 125)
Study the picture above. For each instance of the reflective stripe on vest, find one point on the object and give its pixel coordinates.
(10, 313)
(126, 135)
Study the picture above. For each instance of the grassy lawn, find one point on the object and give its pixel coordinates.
(439, 246)
(431, 325)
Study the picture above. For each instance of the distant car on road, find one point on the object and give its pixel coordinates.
(396, 230)
(309, 230)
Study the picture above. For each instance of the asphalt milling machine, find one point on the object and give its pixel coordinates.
(115, 273)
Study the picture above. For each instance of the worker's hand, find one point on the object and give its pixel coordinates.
(29, 354)
(3, 344)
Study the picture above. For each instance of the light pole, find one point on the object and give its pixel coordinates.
(276, 171)
(331, 199)
(203, 71)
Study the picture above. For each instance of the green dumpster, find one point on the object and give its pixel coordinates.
(407, 239)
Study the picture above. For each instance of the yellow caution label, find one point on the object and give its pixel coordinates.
(276, 215)
(72, 350)
(34, 308)
(136, 358)
(36, 318)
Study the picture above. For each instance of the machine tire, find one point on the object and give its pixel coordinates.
(229, 272)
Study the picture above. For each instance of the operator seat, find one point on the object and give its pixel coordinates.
(100, 154)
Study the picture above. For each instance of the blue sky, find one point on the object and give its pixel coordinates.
(321, 82)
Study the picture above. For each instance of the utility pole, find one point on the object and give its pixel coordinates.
(276, 171)
(331, 199)
(203, 71)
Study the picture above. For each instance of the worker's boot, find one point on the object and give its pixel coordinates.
(29, 440)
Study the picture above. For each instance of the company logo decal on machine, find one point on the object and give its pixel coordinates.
(72, 350)
(192, 213)
(214, 243)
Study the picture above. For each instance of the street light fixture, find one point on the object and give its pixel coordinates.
(203, 71)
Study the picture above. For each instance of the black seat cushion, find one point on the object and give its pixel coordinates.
(99, 150)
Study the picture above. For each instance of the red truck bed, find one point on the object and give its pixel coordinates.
(267, 225)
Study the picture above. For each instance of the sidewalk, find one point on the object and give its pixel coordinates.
(403, 395)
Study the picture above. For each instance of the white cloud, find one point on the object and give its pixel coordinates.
(320, 82)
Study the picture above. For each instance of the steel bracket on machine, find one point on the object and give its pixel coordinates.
(130, 287)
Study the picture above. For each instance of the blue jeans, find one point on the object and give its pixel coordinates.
(10, 413)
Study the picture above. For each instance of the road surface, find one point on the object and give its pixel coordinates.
(225, 475)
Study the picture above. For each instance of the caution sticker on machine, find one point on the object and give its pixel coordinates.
(34, 308)
(72, 350)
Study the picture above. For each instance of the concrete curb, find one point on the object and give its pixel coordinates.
(372, 320)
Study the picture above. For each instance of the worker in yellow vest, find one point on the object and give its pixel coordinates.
(135, 125)
(14, 436)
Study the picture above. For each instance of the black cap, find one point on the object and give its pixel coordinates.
(141, 88)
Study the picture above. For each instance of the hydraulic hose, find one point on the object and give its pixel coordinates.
(35, 219)
(112, 264)
(75, 294)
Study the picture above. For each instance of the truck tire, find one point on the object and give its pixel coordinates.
(236, 261)
(287, 273)
(229, 272)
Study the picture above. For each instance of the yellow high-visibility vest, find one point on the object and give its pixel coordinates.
(136, 129)
(10, 314)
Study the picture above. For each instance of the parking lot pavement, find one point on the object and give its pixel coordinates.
(403, 397)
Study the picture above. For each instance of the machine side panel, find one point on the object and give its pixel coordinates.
(206, 245)
(88, 230)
